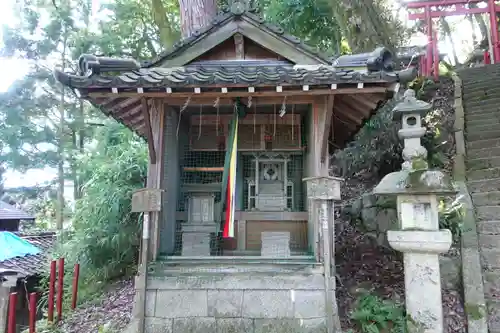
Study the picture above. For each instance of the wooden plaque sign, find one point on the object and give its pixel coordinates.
(146, 200)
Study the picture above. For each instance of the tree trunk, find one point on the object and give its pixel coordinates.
(167, 35)
(447, 33)
(60, 147)
(196, 14)
(482, 26)
(473, 29)
(367, 25)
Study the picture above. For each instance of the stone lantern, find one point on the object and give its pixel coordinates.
(417, 190)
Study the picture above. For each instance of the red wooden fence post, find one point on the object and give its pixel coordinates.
(52, 287)
(11, 325)
(32, 312)
(76, 275)
(60, 289)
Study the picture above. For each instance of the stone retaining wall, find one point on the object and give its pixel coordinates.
(246, 303)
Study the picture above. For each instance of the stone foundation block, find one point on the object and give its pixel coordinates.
(181, 303)
(234, 325)
(195, 244)
(225, 303)
(252, 302)
(157, 325)
(240, 282)
(309, 304)
(275, 244)
(150, 303)
(290, 326)
(194, 325)
(267, 304)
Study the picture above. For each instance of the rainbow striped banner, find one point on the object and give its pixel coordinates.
(228, 231)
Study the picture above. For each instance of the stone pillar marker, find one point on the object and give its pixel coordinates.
(417, 189)
(196, 232)
(323, 191)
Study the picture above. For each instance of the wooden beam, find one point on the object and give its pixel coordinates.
(234, 94)
(343, 112)
(125, 104)
(177, 101)
(149, 131)
(206, 169)
(366, 100)
(363, 107)
(352, 107)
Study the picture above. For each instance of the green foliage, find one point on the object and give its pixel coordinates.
(376, 148)
(375, 315)
(310, 20)
(422, 86)
(105, 233)
(451, 216)
(43, 326)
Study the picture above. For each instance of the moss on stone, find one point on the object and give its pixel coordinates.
(475, 311)
(419, 163)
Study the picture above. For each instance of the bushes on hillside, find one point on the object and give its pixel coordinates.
(105, 234)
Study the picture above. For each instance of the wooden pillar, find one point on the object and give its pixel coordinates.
(155, 171)
(428, 56)
(317, 159)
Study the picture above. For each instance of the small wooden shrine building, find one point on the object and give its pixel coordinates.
(235, 117)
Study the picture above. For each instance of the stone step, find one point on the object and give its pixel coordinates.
(481, 122)
(483, 174)
(483, 163)
(490, 258)
(489, 228)
(486, 106)
(480, 94)
(493, 308)
(475, 111)
(483, 185)
(489, 242)
(482, 135)
(486, 198)
(478, 99)
(480, 144)
(483, 127)
(482, 112)
(488, 213)
(478, 78)
(486, 115)
(486, 82)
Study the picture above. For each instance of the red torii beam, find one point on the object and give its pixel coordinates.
(431, 10)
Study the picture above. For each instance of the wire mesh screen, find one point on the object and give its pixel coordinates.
(270, 217)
